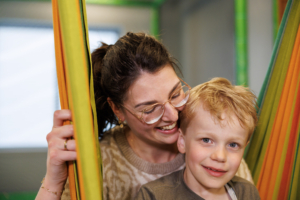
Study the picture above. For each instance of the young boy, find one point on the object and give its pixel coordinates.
(215, 128)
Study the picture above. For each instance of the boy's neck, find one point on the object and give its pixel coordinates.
(214, 194)
(207, 193)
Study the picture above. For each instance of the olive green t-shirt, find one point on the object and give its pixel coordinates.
(173, 187)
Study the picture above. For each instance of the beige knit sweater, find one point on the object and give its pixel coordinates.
(124, 172)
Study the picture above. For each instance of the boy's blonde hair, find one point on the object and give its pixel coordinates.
(218, 96)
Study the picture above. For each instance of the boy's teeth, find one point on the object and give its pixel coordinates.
(169, 127)
(213, 170)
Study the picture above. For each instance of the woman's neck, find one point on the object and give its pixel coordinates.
(154, 153)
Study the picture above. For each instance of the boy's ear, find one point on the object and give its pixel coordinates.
(118, 112)
(181, 142)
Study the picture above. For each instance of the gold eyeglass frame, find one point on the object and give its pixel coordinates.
(163, 104)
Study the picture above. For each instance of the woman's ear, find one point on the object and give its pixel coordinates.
(181, 142)
(118, 112)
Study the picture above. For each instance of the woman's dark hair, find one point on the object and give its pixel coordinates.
(117, 66)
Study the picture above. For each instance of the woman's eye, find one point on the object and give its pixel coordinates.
(150, 110)
(206, 140)
(176, 95)
(233, 145)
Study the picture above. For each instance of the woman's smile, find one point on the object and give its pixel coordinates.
(168, 129)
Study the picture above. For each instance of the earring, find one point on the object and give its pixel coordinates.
(121, 123)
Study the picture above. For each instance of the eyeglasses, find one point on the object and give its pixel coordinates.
(153, 113)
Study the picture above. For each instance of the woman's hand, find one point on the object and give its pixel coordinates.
(57, 171)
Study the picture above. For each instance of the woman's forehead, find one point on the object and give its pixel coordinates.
(152, 86)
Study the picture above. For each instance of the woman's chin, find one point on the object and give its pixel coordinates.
(168, 136)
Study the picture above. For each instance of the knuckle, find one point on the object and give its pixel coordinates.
(53, 154)
(74, 156)
(51, 144)
(56, 114)
(71, 128)
(49, 137)
(72, 145)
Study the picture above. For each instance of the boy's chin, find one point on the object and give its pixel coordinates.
(217, 183)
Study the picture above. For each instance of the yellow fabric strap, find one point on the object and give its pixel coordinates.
(74, 74)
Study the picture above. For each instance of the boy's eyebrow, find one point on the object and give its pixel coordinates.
(240, 138)
(154, 101)
(207, 133)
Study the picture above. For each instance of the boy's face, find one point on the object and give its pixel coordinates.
(213, 151)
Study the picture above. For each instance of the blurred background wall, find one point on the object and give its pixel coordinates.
(198, 33)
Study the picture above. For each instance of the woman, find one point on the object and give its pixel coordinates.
(135, 82)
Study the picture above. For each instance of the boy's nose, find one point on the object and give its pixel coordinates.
(170, 114)
(219, 154)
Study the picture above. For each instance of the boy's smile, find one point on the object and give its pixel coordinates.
(214, 172)
(213, 151)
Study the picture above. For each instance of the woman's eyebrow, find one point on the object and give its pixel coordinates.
(174, 88)
(154, 101)
(145, 103)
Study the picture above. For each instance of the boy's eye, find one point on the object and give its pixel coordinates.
(206, 140)
(233, 145)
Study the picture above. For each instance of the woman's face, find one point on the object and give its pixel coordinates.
(147, 90)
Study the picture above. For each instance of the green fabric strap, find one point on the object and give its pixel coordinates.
(92, 95)
(241, 57)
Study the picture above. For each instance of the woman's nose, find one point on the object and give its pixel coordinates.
(170, 114)
(219, 154)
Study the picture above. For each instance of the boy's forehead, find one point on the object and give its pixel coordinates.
(204, 121)
(224, 118)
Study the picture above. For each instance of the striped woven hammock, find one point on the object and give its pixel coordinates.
(274, 155)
